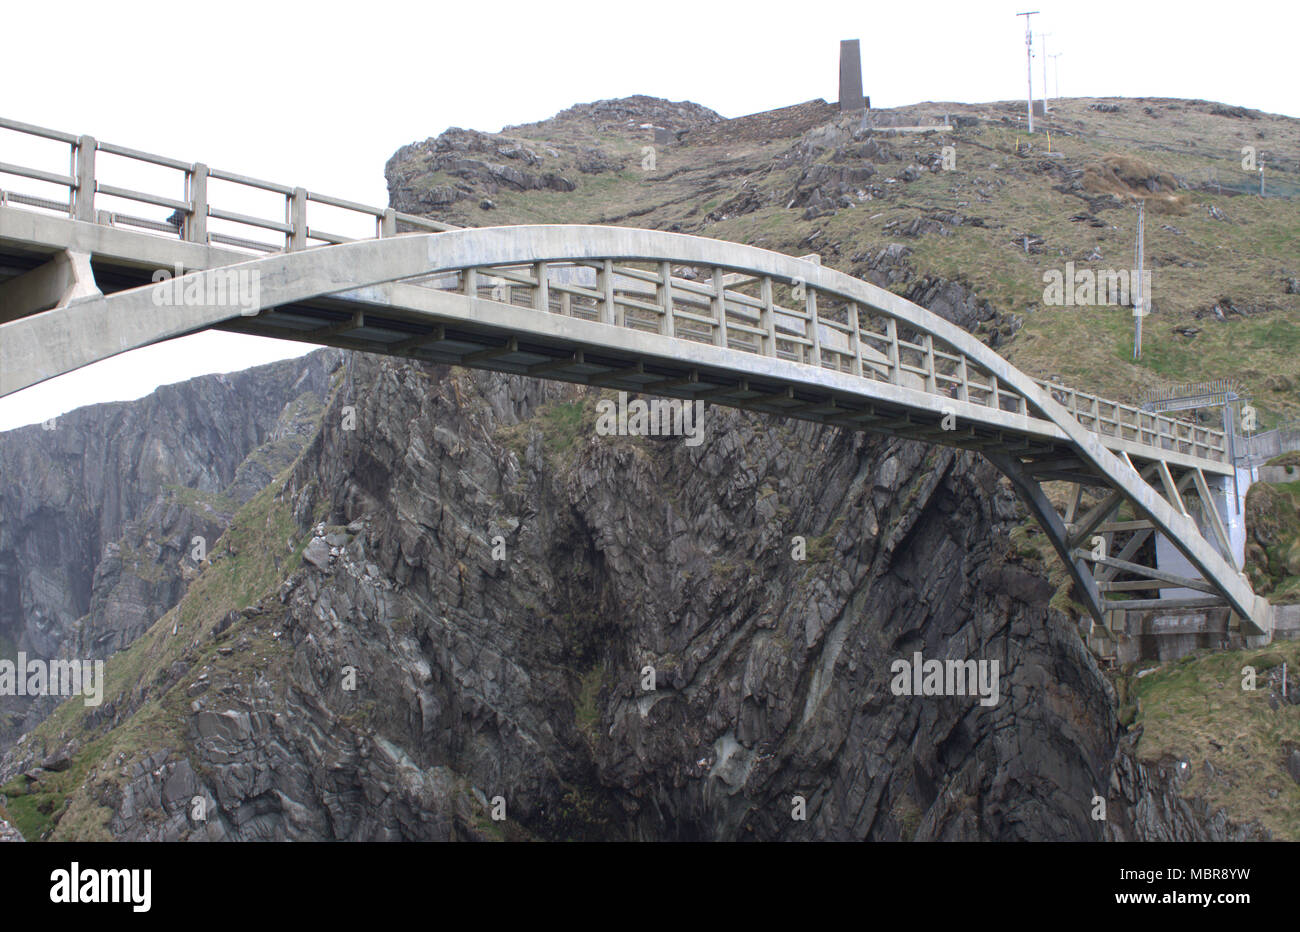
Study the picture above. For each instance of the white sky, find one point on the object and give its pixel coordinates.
(321, 94)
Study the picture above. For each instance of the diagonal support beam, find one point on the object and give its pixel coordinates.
(1212, 512)
(1099, 513)
(1075, 502)
(65, 278)
(1171, 488)
(1174, 579)
(1135, 543)
(1032, 494)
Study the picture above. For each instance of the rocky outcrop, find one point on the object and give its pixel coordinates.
(625, 113)
(476, 164)
(144, 573)
(1147, 803)
(781, 123)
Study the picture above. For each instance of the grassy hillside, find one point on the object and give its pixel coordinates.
(1230, 744)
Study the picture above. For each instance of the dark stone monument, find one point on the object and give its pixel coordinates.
(851, 77)
(1040, 108)
(663, 136)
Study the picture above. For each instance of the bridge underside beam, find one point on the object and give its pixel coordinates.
(64, 278)
(1142, 605)
(604, 367)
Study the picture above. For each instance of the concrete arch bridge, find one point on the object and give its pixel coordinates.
(639, 310)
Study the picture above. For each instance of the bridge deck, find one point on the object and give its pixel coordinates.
(619, 308)
(124, 259)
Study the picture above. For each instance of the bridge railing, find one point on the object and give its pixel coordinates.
(189, 199)
(799, 323)
(787, 320)
(1127, 422)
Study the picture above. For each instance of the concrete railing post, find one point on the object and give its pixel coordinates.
(767, 318)
(719, 308)
(297, 219)
(605, 285)
(196, 224)
(855, 344)
(542, 293)
(83, 198)
(810, 308)
(668, 327)
(388, 224)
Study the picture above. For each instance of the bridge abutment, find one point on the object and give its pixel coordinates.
(1168, 635)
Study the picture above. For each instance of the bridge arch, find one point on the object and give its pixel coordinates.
(853, 362)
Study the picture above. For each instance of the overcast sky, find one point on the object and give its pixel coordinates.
(321, 94)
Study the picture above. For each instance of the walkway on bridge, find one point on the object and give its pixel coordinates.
(639, 310)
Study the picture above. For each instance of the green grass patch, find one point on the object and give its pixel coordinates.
(1197, 711)
(586, 709)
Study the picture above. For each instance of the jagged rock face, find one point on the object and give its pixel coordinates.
(522, 677)
(94, 545)
(521, 681)
(480, 163)
(142, 575)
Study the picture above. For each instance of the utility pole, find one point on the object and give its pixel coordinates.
(1029, 68)
(1140, 299)
(1056, 74)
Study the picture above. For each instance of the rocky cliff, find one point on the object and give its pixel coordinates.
(522, 678)
(403, 678)
(99, 508)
